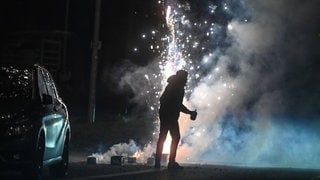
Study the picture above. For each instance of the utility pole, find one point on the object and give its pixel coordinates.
(96, 45)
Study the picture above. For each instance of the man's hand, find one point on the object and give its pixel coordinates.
(193, 115)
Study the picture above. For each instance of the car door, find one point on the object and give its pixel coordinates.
(54, 119)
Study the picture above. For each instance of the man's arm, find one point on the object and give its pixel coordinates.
(184, 109)
(193, 114)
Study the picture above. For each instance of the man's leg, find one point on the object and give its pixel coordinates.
(162, 138)
(175, 134)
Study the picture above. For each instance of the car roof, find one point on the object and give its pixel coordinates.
(22, 65)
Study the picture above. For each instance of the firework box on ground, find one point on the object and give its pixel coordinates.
(132, 160)
(91, 160)
(117, 160)
(151, 161)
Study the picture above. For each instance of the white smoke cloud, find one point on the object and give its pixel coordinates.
(263, 139)
(130, 149)
(121, 149)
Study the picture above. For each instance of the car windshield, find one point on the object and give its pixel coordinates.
(15, 84)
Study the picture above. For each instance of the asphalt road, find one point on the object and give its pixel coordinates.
(191, 171)
(81, 170)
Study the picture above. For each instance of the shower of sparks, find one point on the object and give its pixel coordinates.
(186, 43)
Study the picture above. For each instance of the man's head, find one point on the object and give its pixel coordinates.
(182, 75)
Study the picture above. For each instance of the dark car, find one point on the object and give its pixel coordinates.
(34, 122)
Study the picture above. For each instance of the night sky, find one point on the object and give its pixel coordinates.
(120, 24)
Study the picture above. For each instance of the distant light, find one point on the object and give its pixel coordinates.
(225, 6)
(195, 44)
(230, 27)
(205, 60)
(212, 8)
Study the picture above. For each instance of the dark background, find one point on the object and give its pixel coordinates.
(120, 25)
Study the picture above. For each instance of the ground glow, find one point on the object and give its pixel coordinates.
(236, 85)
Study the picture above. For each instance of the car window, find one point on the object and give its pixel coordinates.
(41, 84)
(53, 86)
(49, 83)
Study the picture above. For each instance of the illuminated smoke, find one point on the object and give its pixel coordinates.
(246, 75)
(130, 149)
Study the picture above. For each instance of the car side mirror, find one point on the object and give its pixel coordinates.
(47, 99)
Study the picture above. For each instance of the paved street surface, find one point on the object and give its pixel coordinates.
(79, 169)
(191, 171)
(84, 171)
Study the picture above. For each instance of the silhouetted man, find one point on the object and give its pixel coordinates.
(170, 108)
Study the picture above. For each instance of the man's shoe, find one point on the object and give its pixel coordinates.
(174, 165)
